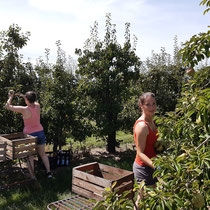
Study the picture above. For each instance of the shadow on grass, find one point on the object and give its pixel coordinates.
(37, 195)
(122, 159)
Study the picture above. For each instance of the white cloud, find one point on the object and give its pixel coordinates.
(81, 9)
(155, 23)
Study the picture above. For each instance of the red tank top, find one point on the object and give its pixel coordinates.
(32, 124)
(149, 148)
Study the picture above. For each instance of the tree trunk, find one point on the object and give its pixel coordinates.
(111, 142)
(55, 146)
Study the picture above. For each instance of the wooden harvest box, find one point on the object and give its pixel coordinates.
(90, 180)
(19, 145)
(2, 151)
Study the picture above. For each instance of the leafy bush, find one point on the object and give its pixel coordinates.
(184, 167)
(114, 201)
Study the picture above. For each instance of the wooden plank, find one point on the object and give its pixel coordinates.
(111, 177)
(9, 156)
(13, 135)
(9, 148)
(88, 166)
(87, 185)
(24, 154)
(2, 158)
(124, 187)
(2, 155)
(6, 140)
(2, 145)
(24, 141)
(124, 179)
(97, 171)
(2, 148)
(86, 193)
(114, 170)
(29, 147)
(2, 152)
(9, 151)
(19, 139)
(91, 178)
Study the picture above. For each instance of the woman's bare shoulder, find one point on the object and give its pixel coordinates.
(141, 126)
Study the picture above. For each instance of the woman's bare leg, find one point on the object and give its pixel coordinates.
(30, 164)
(44, 157)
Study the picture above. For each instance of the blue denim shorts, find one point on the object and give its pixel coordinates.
(40, 137)
(144, 173)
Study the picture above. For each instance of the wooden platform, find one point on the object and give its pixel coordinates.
(74, 202)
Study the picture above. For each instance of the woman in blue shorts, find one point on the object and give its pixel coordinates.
(32, 126)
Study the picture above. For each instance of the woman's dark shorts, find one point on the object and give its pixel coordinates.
(40, 137)
(144, 173)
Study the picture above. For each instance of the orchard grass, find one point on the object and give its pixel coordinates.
(37, 195)
(93, 142)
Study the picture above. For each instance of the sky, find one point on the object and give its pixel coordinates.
(154, 22)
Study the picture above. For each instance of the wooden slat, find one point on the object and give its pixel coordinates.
(91, 178)
(111, 177)
(9, 148)
(9, 156)
(2, 145)
(86, 167)
(124, 187)
(24, 154)
(124, 179)
(114, 170)
(2, 158)
(13, 135)
(2, 152)
(28, 147)
(86, 193)
(6, 140)
(24, 141)
(87, 185)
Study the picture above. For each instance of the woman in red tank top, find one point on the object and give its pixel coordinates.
(32, 126)
(145, 135)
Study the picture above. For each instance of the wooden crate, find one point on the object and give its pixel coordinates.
(90, 180)
(19, 145)
(2, 151)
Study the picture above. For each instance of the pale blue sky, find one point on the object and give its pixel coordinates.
(154, 22)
